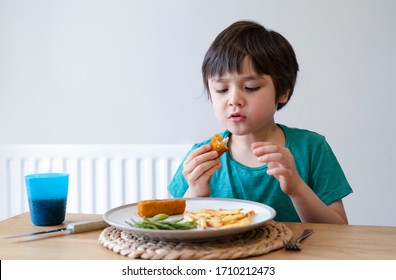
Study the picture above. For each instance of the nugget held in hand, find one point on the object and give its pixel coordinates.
(218, 144)
(150, 208)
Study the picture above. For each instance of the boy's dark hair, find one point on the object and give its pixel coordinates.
(270, 53)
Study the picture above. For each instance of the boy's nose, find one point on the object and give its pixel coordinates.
(235, 99)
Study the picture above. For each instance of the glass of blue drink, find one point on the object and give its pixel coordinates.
(47, 196)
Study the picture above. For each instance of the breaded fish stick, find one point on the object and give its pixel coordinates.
(150, 208)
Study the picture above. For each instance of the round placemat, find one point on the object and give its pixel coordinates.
(269, 237)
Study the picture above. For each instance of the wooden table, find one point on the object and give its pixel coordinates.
(330, 242)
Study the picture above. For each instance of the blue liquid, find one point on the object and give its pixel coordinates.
(47, 212)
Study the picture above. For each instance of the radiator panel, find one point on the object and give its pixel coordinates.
(101, 176)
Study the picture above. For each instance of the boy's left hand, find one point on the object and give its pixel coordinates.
(280, 163)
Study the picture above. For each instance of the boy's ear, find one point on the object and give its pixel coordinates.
(284, 97)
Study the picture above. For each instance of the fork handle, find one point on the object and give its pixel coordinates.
(305, 234)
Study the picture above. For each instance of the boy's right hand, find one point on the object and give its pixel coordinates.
(198, 168)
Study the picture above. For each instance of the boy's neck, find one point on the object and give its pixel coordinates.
(272, 133)
(240, 145)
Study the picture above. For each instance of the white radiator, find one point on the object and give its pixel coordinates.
(101, 176)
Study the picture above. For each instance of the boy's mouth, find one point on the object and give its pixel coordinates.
(236, 117)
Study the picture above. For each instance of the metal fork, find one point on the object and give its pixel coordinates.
(296, 245)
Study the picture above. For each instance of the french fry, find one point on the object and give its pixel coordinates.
(202, 222)
(231, 218)
(222, 212)
(244, 222)
(251, 214)
(221, 218)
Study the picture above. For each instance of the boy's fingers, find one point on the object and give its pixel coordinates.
(202, 169)
(265, 148)
(198, 151)
(197, 161)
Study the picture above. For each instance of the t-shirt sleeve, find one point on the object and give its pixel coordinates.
(328, 180)
(178, 185)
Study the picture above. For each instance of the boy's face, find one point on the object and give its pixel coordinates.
(244, 103)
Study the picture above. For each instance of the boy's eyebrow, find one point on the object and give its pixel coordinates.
(245, 78)
(217, 79)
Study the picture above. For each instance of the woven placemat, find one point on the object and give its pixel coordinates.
(259, 241)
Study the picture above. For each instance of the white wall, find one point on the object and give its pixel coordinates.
(128, 72)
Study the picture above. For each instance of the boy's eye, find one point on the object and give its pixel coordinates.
(251, 89)
(224, 90)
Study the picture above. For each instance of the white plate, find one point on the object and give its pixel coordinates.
(117, 217)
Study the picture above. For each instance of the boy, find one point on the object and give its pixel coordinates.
(249, 73)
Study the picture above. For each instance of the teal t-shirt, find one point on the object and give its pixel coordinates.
(315, 162)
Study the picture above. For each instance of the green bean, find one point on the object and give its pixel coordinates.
(129, 223)
(142, 224)
(161, 225)
(146, 225)
(176, 220)
(182, 226)
(158, 222)
(159, 217)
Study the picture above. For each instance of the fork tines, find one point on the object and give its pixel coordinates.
(293, 246)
